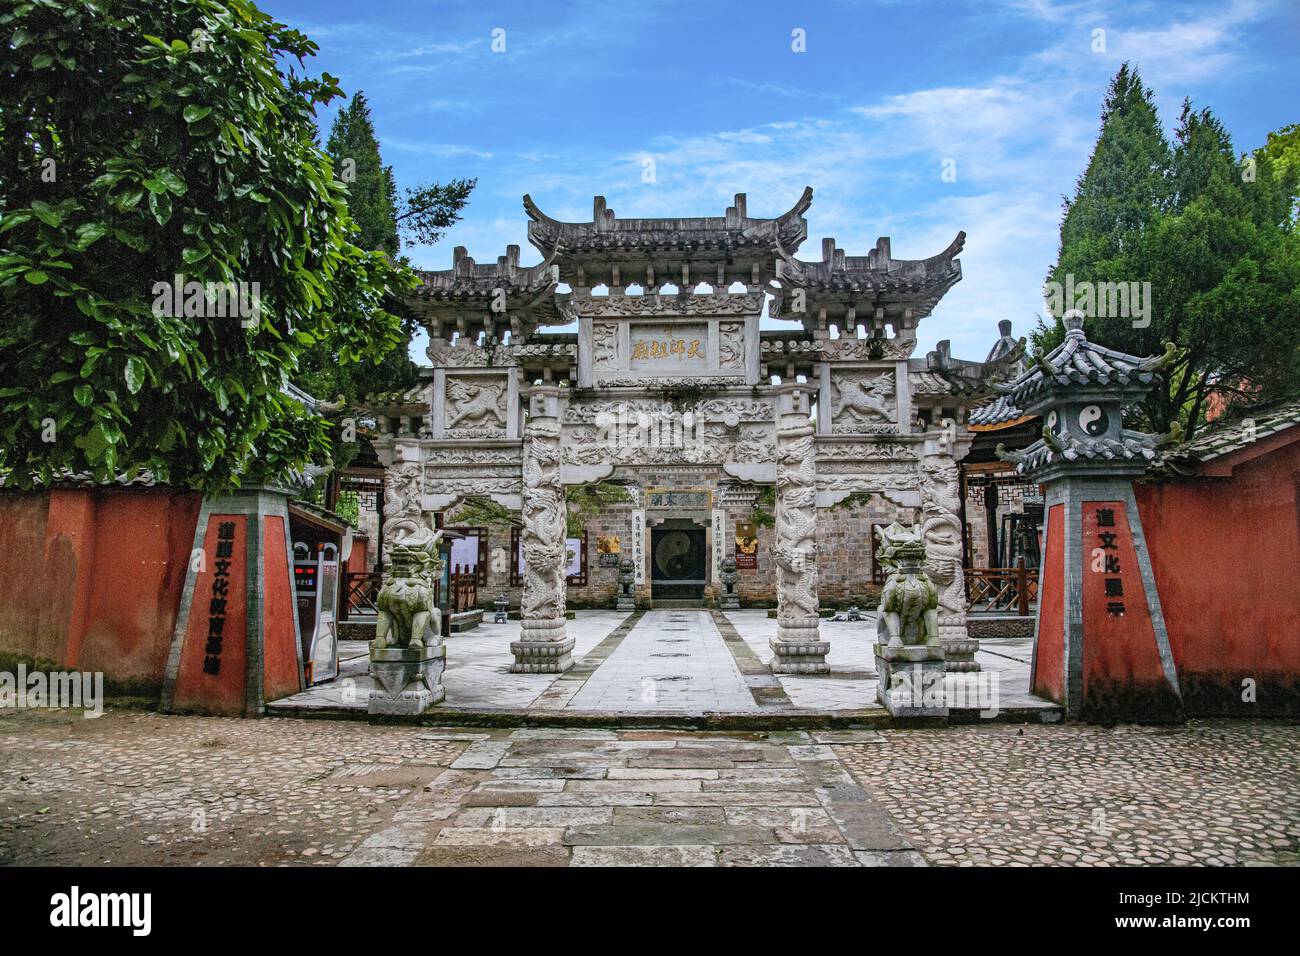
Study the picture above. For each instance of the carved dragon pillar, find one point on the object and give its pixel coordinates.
(543, 645)
(942, 526)
(404, 515)
(797, 648)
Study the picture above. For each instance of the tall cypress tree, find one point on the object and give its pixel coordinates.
(372, 191)
(1215, 244)
(381, 219)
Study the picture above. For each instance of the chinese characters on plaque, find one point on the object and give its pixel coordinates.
(638, 546)
(668, 349)
(220, 596)
(1105, 557)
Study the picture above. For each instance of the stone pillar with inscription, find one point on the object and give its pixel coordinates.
(543, 645)
(797, 647)
(235, 645)
(1100, 644)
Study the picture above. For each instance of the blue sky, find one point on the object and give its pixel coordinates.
(884, 93)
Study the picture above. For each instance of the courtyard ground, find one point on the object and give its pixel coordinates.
(671, 662)
(134, 787)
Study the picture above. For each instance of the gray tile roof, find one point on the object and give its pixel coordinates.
(1076, 361)
(1225, 438)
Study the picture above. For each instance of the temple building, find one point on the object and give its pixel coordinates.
(670, 433)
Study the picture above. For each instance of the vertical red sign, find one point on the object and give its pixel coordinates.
(1119, 639)
(213, 658)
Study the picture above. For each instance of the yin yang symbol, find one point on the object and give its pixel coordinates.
(1053, 422)
(1093, 420)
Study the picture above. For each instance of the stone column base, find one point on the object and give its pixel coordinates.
(543, 648)
(959, 655)
(912, 680)
(959, 647)
(407, 680)
(798, 648)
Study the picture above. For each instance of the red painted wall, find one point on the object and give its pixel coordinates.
(280, 653)
(1226, 554)
(31, 595)
(95, 578)
(1049, 670)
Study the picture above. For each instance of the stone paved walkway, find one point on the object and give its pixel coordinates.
(669, 661)
(142, 788)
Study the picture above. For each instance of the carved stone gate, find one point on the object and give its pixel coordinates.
(670, 387)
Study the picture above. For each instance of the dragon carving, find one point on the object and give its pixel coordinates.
(796, 525)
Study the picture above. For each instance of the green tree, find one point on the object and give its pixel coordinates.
(1283, 149)
(372, 191)
(383, 220)
(142, 140)
(1215, 243)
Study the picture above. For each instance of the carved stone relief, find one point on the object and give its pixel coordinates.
(797, 646)
(862, 400)
(941, 523)
(476, 407)
(403, 515)
(543, 645)
(865, 350)
(731, 345)
(604, 343)
(703, 303)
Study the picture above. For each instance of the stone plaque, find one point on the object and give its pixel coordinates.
(679, 499)
(671, 348)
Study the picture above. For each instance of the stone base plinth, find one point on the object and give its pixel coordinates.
(959, 647)
(912, 680)
(729, 602)
(408, 680)
(798, 648)
(626, 602)
(543, 648)
(959, 654)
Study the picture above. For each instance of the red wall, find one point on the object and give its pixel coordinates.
(95, 578)
(1226, 554)
(280, 653)
(1049, 670)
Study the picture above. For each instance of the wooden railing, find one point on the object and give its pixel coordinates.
(1002, 589)
(360, 591)
(464, 588)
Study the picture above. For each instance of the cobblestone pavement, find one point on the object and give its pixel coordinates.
(141, 788)
(1211, 792)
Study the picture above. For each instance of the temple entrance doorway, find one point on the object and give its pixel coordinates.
(678, 558)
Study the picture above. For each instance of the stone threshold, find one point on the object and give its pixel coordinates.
(792, 719)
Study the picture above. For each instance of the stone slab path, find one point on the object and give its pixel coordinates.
(670, 661)
(601, 797)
